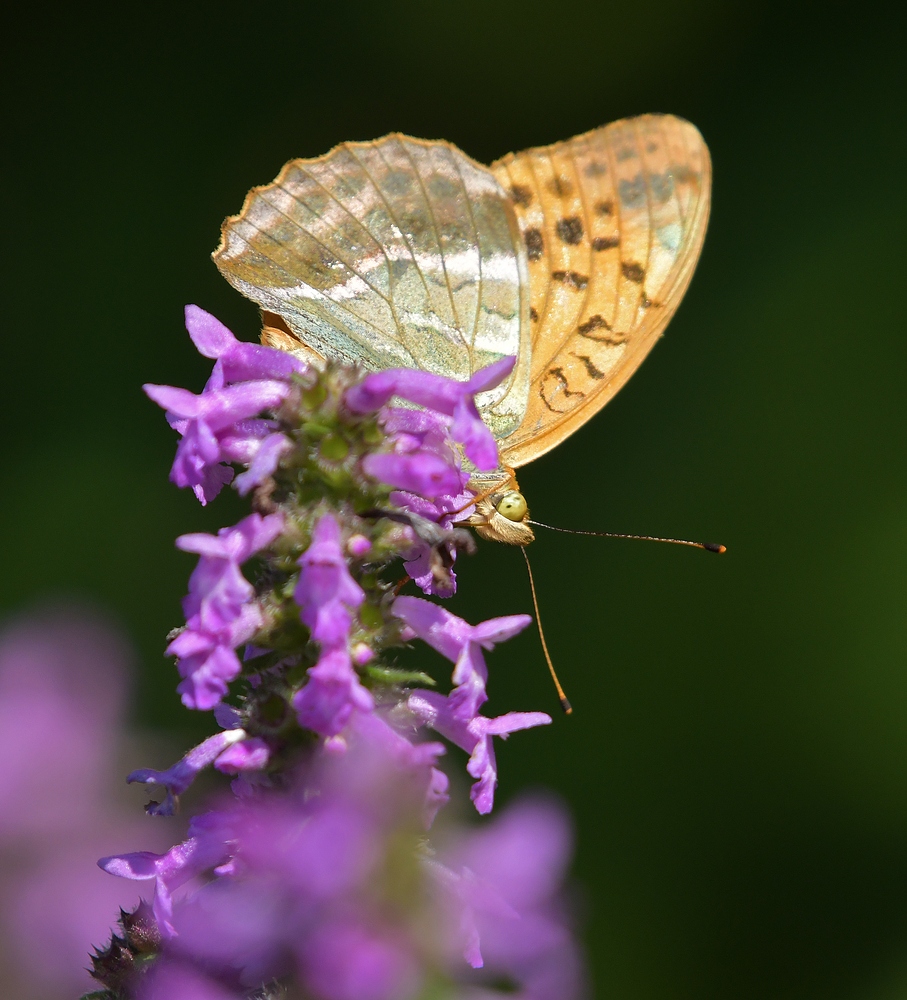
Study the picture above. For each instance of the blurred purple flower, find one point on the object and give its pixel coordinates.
(327, 883)
(205, 848)
(347, 959)
(503, 886)
(64, 679)
(179, 981)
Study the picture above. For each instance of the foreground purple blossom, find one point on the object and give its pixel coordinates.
(320, 870)
(64, 689)
(299, 884)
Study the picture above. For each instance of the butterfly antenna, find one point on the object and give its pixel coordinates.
(707, 546)
(565, 701)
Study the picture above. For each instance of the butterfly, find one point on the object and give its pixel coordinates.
(404, 252)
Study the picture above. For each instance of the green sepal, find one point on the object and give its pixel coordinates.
(388, 675)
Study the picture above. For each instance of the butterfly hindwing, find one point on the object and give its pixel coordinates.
(398, 252)
(612, 224)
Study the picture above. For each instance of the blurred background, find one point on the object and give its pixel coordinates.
(737, 760)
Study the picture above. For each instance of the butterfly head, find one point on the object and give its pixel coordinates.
(503, 517)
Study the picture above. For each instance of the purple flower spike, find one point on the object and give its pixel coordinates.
(462, 644)
(326, 592)
(474, 737)
(448, 396)
(178, 778)
(419, 760)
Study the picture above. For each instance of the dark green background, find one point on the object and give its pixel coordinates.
(737, 761)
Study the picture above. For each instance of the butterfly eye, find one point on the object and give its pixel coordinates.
(513, 506)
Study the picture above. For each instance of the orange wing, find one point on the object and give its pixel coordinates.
(613, 222)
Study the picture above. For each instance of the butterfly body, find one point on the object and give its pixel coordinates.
(404, 252)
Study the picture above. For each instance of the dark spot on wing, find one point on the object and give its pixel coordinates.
(648, 303)
(634, 272)
(604, 207)
(397, 183)
(560, 187)
(399, 268)
(625, 153)
(662, 186)
(521, 195)
(651, 147)
(562, 385)
(571, 278)
(597, 322)
(605, 242)
(591, 370)
(632, 193)
(595, 169)
(535, 245)
(346, 186)
(443, 187)
(533, 314)
(570, 230)
(682, 173)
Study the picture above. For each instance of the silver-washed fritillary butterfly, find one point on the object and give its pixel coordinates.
(405, 252)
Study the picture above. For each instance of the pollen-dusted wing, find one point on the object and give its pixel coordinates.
(613, 222)
(405, 252)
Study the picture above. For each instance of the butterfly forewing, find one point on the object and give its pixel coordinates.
(397, 252)
(612, 223)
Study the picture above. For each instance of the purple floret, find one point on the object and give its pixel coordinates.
(462, 644)
(217, 426)
(474, 736)
(327, 596)
(220, 613)
(443, 395)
